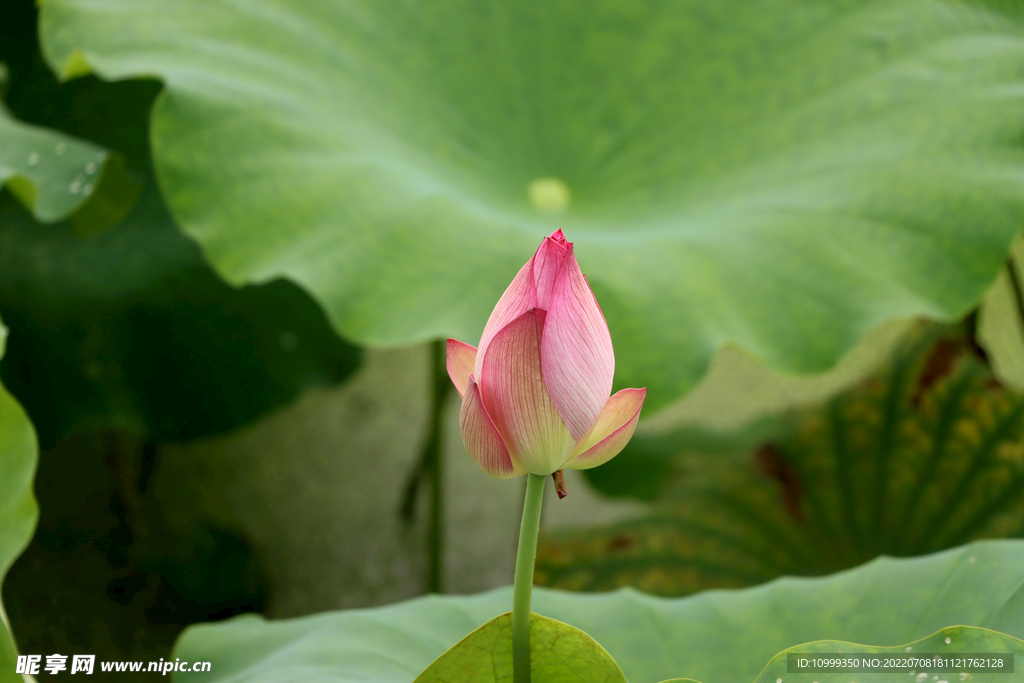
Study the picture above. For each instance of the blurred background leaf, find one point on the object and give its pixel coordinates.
(50, 173)
(927, 455)
(130, 328)
(782, 176)
(18, 509)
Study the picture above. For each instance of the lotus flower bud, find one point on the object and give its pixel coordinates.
(535, 392)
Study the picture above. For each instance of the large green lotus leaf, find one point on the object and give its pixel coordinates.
(559, 653)
(714, 637)
(783, 174)
(131, 328)
(923, 456)
(18, 511)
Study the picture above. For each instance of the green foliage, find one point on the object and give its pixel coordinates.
(715, 637)
(952, 642)
(111, 115)
(52, 174)
(122, 340)
(59, 167)
(648, 466)
(485, 656)
(130, 328)
(102, 554)
(18, 511)
(563, 653)
(559, 653)
(927, 455)
(784, 175)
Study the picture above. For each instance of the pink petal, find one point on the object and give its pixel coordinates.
(612, 431)
(519, 297)
(482, 441)
(460, 361)
(514, 396)
(530, 288)
(576, 353)
(546, 264)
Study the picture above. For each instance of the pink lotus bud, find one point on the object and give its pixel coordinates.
(535, 394)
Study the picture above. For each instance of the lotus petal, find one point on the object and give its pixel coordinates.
(460, 360)
(612, 431)
(547, 263)
(519, 297)
(482, 441)
(514, 396)
(576, 353)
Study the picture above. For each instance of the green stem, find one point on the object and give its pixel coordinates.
(525, 558)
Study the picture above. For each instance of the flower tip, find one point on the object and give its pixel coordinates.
(558, 237)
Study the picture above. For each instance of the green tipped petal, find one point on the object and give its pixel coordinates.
(612, 431)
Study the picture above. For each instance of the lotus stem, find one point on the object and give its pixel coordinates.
(523, 591)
